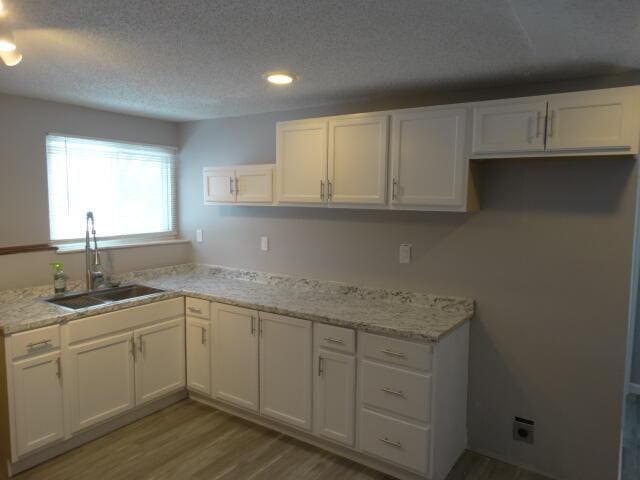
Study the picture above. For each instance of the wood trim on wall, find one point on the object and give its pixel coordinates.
(39, 247)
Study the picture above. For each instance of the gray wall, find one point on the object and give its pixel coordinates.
(547, 259)
(24, 217)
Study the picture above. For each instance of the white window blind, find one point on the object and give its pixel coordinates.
(130, 188)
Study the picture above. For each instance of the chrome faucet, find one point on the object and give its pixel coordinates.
(92, 263)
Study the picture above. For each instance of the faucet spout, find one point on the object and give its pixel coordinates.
(94, 275)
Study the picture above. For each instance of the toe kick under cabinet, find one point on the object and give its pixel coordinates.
(61, 384)
(396, 405)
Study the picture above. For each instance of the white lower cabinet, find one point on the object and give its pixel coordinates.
(160, 360)
(335, 388)
(198, 335)
(235, 355)
(285, 369)
(398, 441)
(401, 403)
(122, 359)
(100, 381)
(37, 395)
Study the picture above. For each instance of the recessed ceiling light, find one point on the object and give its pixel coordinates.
(280, 78)
(7, 43)
(11, 59)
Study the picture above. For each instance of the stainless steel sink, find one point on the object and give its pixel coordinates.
(101, 297)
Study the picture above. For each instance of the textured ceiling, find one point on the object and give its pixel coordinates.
(183, 60)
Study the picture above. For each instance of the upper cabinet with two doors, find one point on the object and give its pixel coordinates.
(344, 161)
(583, 123)
(242, 184)
(334, 161)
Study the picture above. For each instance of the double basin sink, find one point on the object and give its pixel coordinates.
(105, 296)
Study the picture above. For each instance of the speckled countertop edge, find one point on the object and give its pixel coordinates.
(431, 317)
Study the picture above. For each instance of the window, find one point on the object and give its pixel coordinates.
(130, 188)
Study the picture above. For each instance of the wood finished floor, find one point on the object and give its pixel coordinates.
(192, 441)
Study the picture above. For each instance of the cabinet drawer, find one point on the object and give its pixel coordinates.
(400, 391)
(394, 440)
(35, 341)
(335, 338)
(392, 350)
(197, 308)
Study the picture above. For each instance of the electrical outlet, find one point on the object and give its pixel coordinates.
(524, 430)
(199, 235)
(405, 253)
(264, 244)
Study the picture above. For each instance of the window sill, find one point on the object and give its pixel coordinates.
(116, 245)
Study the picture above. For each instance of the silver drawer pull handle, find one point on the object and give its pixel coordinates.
(334, 340)
(195, 310)
(43, 343)
(391, 391)
(392, 353)
(390, 442)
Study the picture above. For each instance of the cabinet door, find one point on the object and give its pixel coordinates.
(358, 159)
(592, 120)
(39, 411)
(199, 355)
(219, 185)
(301, 152)
(100, 380)
(160, 360)
(428, 158)
(285, 369)
(335, 386)
(254, 184)
(235, 355)
(507, 128)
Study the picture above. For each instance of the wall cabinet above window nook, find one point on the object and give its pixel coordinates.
(245, 184)
(582, 123)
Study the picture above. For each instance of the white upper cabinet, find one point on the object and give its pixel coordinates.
(596, 120)
(254, 184)
(235, 355)
(358, 159)
(301, 159)
(429, 165)
(241, 184)
(512, 127)
(285, 369)
(218, 185)
(582, 123)
(160, 360)
(38, 401)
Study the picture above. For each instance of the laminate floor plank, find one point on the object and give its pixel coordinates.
(189, 440)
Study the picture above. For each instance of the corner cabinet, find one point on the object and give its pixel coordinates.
(235, 355)
(583, 123)
(248, 184)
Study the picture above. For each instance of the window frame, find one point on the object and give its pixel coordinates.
(73, 244)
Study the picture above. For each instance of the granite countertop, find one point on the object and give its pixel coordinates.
(402, 314)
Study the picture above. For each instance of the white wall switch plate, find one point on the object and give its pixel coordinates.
(264, 243)
(405, 253)
(199, 235)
